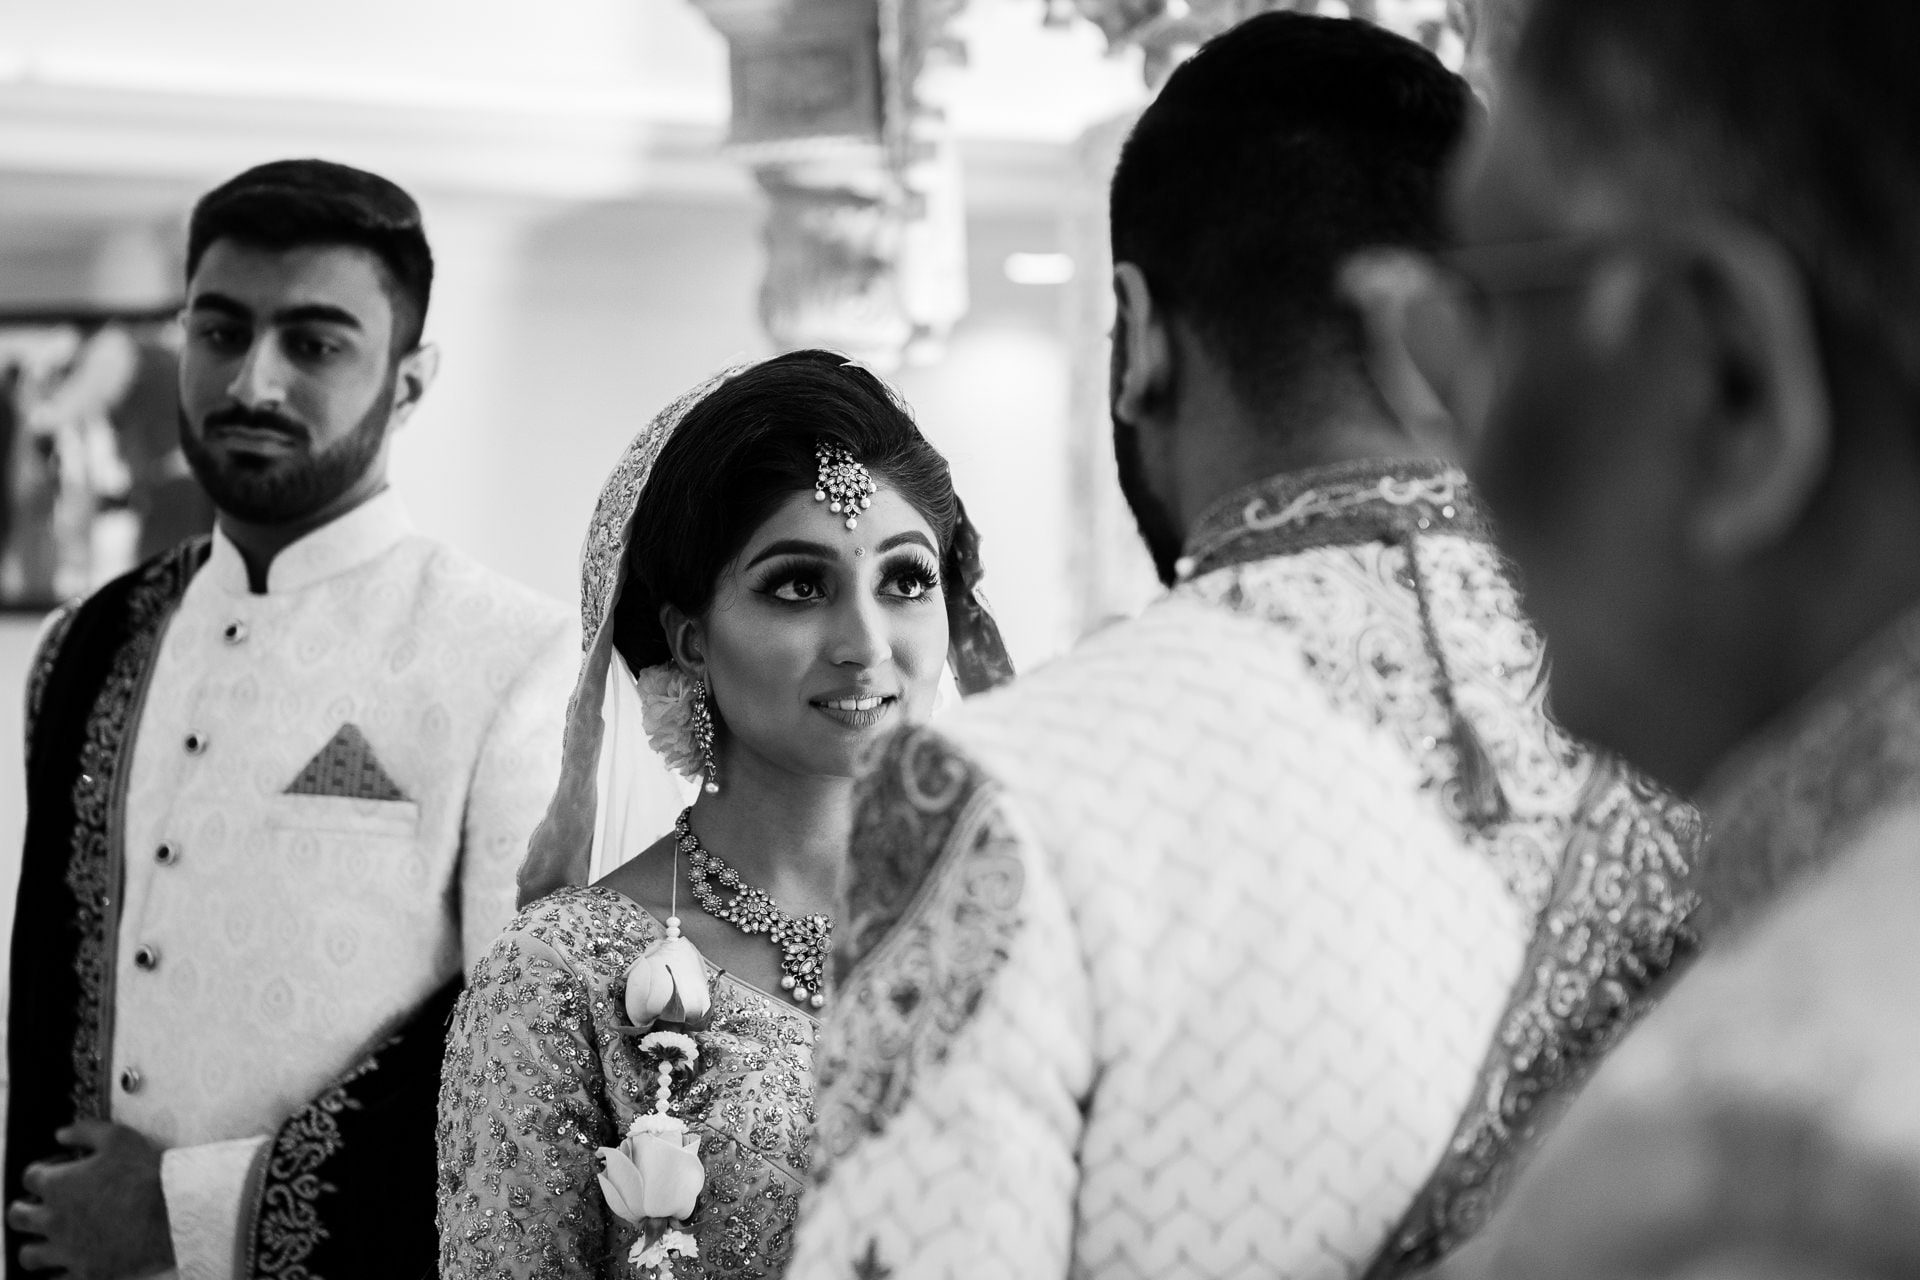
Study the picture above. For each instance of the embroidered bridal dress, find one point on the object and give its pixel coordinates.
(544, 1065)
(543, 1068)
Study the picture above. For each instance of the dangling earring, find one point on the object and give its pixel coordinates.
(703, 735)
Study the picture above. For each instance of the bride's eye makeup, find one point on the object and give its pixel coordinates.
(909, 577)
(795, 582)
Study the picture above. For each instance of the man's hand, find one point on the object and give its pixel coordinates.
(101, 1215)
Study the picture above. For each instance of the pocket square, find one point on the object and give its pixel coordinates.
(346, 766)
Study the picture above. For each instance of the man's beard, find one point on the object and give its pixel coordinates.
(1157, 528)
(290, 489)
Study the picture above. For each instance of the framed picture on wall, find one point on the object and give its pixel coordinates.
(92, 480)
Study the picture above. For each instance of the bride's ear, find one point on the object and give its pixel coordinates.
(686, 640)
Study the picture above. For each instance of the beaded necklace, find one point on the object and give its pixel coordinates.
(803, 942)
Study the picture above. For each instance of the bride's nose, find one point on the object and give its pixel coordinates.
(859, 636)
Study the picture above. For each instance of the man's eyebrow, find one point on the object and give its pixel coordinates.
(303, 313)
(318, 313)
(794, 547)
(222, 303)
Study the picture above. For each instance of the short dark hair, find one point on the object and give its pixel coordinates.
(742, 450)
(1280, 148)
(291, 203)
(1803, 120)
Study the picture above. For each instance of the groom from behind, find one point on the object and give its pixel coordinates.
(1255, 935)
(278, 789)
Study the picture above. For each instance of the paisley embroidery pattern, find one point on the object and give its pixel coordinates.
(1352, 607)
(1620, 922)
(287, 1225)
(540, 1071)
(921, 940)
(92, 868)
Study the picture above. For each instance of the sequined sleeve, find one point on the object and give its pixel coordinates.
(521, 1115)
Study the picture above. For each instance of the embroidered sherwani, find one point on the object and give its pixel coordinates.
(267, 831)
(1763, 1121)
(1248, 939)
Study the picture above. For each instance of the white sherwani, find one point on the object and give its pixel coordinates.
(1173, 959)
(333, 784)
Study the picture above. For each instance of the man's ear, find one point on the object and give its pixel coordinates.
(1771, 427)
(1142, 374)
(416, 373)
(686, 640)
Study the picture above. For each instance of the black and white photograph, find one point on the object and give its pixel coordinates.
(936, 639)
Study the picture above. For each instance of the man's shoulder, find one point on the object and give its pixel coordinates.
(1133, 692)
(457, 591)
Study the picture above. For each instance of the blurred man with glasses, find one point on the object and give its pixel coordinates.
(1689, 239)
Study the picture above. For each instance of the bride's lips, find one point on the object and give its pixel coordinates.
(856, 711)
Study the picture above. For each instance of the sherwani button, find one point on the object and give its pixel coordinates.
(166, 855)
(147, 957)
(196, 743)
(131, 1080)
(235, 632)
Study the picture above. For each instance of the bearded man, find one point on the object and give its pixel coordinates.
(1254, 936)
(279, 783)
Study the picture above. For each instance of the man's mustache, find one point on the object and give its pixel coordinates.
(255, 420)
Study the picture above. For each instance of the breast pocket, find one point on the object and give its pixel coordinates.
(339, 846)
(345, 816)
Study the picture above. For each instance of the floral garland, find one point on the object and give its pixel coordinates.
(654, 1178)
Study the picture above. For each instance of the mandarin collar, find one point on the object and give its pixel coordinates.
(362, 534)
(1331, 505)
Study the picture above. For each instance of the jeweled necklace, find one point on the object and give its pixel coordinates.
(803, 941)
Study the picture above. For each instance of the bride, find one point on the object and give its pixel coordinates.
(775, 575)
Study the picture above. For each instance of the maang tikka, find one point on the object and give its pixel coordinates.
(843, 481)
(703, 735)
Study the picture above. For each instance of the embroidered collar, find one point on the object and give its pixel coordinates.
(1367, 501)
(362, 534)
(1786, 801)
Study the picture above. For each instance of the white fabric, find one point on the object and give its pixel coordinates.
(638, 798)
(202, 1185)
(292, 929)
(1256, 971)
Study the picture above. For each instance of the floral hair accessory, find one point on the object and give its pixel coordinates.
(843, 482)
(667, 699)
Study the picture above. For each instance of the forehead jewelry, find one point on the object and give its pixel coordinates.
(842, 482)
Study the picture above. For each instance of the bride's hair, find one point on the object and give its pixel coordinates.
(744, 449)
